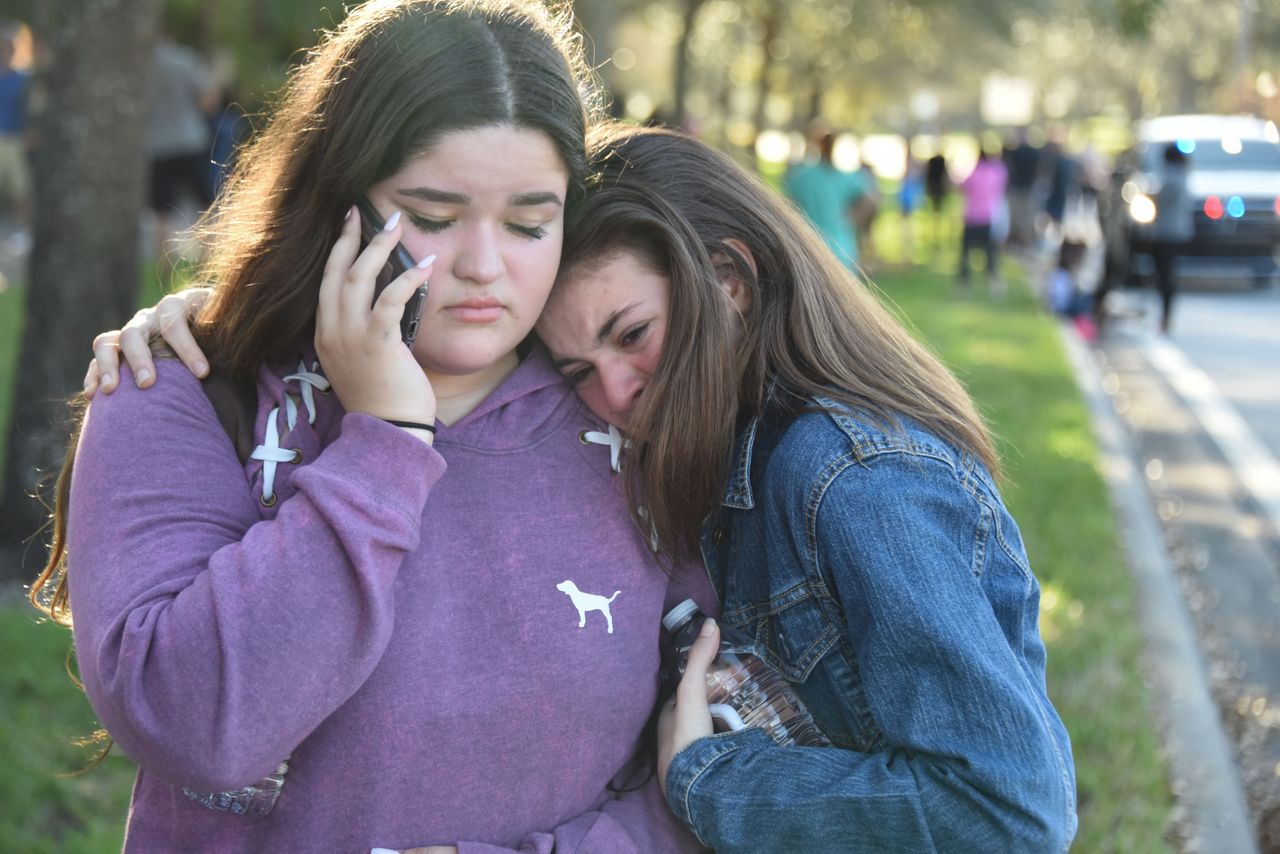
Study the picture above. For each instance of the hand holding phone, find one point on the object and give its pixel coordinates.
(359, 340)
(371, 223)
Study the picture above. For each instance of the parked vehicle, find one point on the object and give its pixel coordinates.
(1235, 181)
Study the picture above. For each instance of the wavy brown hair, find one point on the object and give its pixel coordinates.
(381, 88)
(813, 328)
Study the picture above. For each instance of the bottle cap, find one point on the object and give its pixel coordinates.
(679, 615)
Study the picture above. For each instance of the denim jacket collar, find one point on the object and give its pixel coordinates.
(737, 493)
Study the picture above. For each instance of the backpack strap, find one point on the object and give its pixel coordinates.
(235, 401)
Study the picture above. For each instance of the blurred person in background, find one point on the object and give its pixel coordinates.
(937, 184)
(829, 196)
(910, 198)
(15, 173)
(1060, 178)
(1023, 162)
(228, 126)
(983, 200)
(1095, 170)
(179, 139)
(1173, 228)
(865, 211)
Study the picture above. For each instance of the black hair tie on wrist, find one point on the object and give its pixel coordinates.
(412, 425)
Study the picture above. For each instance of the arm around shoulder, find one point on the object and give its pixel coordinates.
(211, 642)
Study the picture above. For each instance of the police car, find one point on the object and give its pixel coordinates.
(1235, 181)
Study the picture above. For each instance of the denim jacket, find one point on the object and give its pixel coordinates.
(879, 571)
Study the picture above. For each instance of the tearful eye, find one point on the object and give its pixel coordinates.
(633, 335)
(579, 376)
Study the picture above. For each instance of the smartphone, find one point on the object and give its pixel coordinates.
(370, 224)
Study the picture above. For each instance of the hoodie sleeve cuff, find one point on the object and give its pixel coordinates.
(384, 462)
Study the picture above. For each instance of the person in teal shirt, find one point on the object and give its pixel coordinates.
(827, 195)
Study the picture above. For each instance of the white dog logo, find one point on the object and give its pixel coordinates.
(585, 602)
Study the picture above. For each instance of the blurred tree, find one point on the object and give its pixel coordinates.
(689, 14)
(254, 40)
(89, 181)
(597, 19)
(1131, 17)
(812, 48)
(739, 66)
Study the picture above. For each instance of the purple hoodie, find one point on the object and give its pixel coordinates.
(398, 623)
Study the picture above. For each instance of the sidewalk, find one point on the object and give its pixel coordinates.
(1207, 781)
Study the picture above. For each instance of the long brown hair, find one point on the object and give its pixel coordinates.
(813, 329)
(382, 87)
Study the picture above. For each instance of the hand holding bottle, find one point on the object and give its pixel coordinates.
(741, 691)
(686, 718)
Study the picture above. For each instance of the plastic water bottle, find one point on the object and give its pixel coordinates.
(253, 801)
(742, 690)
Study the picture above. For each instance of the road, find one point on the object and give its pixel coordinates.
(1234, 337)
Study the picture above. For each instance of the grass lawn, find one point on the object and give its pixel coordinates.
(41, 811)
(1008, 354)
(13, 303)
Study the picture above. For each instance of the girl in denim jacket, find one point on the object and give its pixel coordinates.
(838, 482)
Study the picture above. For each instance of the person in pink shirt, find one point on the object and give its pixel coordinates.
(983, 200)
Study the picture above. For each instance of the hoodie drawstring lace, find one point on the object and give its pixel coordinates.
(615, 442)
(269, 452)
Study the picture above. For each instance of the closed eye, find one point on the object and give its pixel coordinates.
(533, 232)
(431, 226)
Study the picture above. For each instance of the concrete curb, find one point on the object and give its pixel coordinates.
(1206, 780)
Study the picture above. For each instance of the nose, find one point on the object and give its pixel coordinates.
(622, 385)
(479, 258)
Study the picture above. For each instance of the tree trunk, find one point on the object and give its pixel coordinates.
(207, 39)
(597, 18)
(260, 20)
(89, 170)
(772, 26)
(683, 61)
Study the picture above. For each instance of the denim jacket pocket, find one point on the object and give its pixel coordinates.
(793, 640)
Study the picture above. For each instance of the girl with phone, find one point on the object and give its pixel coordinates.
(365, 634)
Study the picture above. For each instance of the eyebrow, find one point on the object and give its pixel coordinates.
(428, 194)
(606, 329)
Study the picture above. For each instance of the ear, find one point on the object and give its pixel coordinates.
(732, 284)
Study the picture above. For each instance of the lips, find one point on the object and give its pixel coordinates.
(475, 310)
